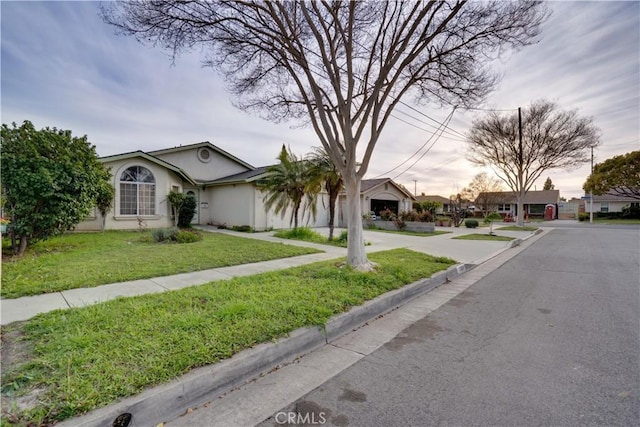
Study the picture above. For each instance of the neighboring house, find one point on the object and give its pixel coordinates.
(377, 195)
(446, 203)
(609, 202)
(534, 202)
(225, 187)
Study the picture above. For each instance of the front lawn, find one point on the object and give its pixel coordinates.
(72, 361)
(484, 237)
(77, 260)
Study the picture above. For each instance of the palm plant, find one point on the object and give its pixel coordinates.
(324, 173)
(287, 185)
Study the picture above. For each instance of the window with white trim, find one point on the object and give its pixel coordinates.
(137, 192)
(604, 207)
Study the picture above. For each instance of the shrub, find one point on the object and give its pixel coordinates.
(631, 212)
(242, 228)
(187, 236)
(387, 215)
(342, 238)
(493, 216)
(400, 224)
(583, 216)
(470, 223)
(410, 216)
(187, 212)
(164, 234)
(425, 216)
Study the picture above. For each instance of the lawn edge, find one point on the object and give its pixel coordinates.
(167, 401)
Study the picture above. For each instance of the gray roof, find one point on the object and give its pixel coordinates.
(613, 196)
(368, 184)
(180, 172)
(242, 177)
(531, 198)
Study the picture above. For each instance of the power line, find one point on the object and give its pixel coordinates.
(431, 146)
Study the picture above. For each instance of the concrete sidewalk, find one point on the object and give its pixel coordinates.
(463, 251)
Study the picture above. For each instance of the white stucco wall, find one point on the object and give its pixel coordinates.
(231, 205)
(165, 180)
(217, 166)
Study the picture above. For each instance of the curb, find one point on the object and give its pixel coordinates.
(198, 386)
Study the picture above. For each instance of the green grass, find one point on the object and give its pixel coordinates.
(91, 259)
(516, 228)
(308, 235)
(410, 233)
(614, 221)
(483, 237)
(84, 358)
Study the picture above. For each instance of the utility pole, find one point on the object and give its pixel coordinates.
(591, 192)
(520, 172)
(415, 187)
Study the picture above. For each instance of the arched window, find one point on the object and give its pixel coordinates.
(137, 192)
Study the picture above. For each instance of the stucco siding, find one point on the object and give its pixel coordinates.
(231, 205)
(216, 166)
(164, 181)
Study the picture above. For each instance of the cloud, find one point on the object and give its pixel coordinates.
(62, 66)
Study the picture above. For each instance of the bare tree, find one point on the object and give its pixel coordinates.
(550, 139)
(485, 192)
(340, 66)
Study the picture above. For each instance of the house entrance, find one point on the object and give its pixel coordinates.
(378, 205)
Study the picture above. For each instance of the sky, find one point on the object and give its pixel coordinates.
(61, 66)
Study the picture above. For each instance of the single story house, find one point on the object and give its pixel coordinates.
(534, 202)
(446, 203)
(377, 195)
(225, 187)
(609, 202)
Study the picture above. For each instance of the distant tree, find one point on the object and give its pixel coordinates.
(618, 175)
(104, 200)
(51, 181)
(430, 206)
(457, 207)
(548, 185)
(341, 66)
(288, 185)
(551, 138)
(322, 170)
(485, 192)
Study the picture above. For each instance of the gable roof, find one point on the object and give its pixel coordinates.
(370, 184)
(198, 145)
(133, 154)
(613, 196)
(239, 178)
(531, 198)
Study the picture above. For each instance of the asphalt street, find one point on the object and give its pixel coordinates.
(550, 338)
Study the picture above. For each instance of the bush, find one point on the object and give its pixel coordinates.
(583, 216)
(410, 216)
(425, 216)
(187, 236)
(387, 215)
(164, 234)
(400, 224)
(242, 228)
(187, 212)
(631, 212)
(493, 216)
(470, 223)
(343, 237)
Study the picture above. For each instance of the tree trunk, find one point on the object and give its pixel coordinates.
(520, 208)
(295, 215)
(23, 245)
(332, 212)
(356, 256)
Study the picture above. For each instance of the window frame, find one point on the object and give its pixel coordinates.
(144, 185)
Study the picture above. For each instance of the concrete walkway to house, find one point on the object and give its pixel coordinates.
(463, 251)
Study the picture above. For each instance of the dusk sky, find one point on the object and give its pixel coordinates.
(62, 66)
